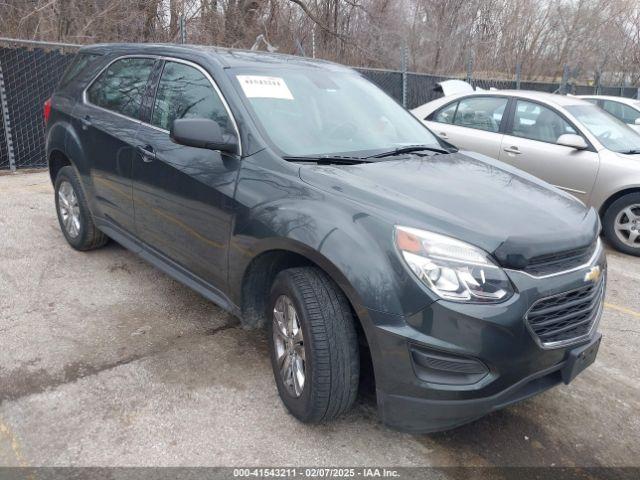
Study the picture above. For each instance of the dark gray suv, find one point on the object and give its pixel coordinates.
(298, 196)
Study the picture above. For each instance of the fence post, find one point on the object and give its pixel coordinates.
(403, 67)
(518, 75)
(565, 79)
(4, 110)
(183, 30)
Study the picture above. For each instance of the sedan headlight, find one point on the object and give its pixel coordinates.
(452, 269)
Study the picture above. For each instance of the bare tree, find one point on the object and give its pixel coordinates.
(441, 35)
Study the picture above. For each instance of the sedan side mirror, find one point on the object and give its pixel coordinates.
(572, 140)
(203, 133)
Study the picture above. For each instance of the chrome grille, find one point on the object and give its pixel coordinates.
(568, 316)
(561, 261)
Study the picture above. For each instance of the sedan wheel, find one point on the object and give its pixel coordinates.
(627, 225)
(621, 223)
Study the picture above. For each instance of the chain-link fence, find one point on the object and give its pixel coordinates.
(29, 72)
(421, 88)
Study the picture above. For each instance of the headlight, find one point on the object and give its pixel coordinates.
(454, 270)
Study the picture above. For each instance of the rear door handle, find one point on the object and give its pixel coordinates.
(146, 152)
(86, 122)
(443, 134)
(513, 149)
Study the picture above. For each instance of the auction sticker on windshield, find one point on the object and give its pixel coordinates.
(258, 86)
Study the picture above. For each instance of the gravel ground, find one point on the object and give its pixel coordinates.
(106, 361)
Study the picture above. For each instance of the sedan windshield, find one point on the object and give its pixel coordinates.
(610, 131)
(313, 112)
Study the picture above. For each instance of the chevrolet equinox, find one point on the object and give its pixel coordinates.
(298, 196)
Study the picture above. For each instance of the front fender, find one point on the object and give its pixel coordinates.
(617, 173)
(352, 247)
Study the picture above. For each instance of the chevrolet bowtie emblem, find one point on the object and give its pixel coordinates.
(593, 274)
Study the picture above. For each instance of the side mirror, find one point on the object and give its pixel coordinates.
(203, 133)
(637, 122)
(572, 140)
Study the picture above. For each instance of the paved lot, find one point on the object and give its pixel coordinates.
(106, 361)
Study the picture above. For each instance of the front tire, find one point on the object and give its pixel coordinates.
(313, 345)
(621, 224)
(73, 212)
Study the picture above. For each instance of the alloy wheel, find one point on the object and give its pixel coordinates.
(627, 225)
(69, 209)
(289, 345)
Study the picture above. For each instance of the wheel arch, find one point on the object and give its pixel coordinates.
(259, 273)
(615, 196)
(56, 161)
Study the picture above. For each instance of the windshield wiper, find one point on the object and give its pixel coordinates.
(633, 151)
(327, 159)
(410, 149)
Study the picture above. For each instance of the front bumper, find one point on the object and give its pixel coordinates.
(493, 342)
(423, 415)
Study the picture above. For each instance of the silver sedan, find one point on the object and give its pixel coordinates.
(568, 142)
(626, 110)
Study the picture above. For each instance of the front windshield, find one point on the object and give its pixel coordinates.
(313, 112)
(610, 131)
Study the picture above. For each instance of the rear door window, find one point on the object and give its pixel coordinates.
(537, 122)
(185, 92)
(121, 86)
(481, 113)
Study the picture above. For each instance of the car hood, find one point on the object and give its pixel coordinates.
(469, 196)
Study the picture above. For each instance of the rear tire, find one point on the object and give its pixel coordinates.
(73, 212)
(321, 345)
(621, 224)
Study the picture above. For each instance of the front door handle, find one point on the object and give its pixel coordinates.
(513, 149)
(146, 152)
(443, 134)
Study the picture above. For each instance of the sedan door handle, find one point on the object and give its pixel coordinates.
(146, 152)
(443, 134)
(513, 149)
